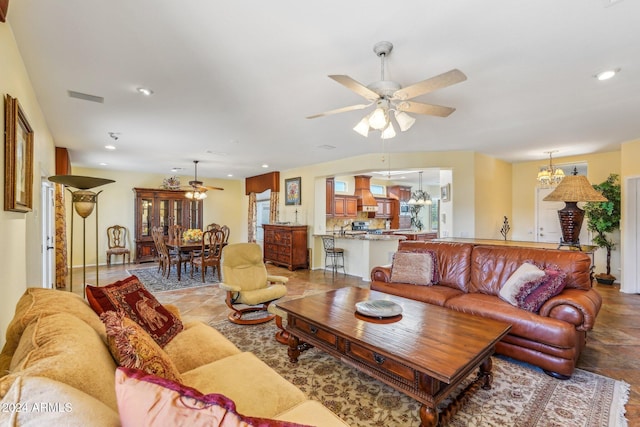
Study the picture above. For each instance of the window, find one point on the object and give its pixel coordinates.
(340, 186)
(377, 189)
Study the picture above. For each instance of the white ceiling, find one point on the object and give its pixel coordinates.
(234, 80)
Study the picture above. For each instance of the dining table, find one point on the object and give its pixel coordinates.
(182, 246)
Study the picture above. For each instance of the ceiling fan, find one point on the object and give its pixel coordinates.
(390, 97)
(197, 189)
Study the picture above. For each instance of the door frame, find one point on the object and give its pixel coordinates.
(630, 233)
(48, 243)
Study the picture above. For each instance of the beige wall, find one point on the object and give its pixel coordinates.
(20, 256)
(492, 192)
(116, 206)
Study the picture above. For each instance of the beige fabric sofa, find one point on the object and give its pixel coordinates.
(56, 369)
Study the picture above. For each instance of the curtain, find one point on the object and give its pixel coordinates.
(252, 220)
(61, 237)
(274, 201)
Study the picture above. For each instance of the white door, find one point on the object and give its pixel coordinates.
(48, 235)
(547, 222)
(630, 229)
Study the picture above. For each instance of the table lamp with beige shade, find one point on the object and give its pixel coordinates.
(571, 190)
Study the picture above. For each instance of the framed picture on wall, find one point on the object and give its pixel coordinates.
(292, 188)
(445, 193)
(18, 158)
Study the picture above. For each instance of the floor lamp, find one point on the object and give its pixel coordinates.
(84, 202)
(571, 190)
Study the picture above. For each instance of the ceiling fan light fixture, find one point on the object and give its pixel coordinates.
(363, 126)
(404, 120)
(389, 132)
(379, 119)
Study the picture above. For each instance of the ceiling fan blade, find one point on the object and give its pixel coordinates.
(355, 86)
(339, 110)
(429, 85)
(208, 187)
(429, 109)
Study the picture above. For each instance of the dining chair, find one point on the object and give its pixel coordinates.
(117, 243)
(213, 226)
(168, 259)
(210, 253)
(155, 231)
(226, 230)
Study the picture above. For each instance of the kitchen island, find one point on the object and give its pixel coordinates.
(364, 251)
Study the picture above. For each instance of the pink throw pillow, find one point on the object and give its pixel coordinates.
(148, 400)
(551, 285)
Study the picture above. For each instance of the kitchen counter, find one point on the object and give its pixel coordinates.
(363, 252)
(363, 235)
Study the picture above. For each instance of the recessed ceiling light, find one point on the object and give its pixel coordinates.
(229, 175)
(145, 91)
(176, 169)
(110, 147)
(607, 74)
(103, 164)
(265, 165)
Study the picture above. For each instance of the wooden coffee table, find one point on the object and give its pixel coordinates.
(425, 353)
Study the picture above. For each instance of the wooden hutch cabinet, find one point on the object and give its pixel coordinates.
(155, 207)
(286, 245)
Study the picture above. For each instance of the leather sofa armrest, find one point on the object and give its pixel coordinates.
(381, 274)
(277, 279)
(575, 306)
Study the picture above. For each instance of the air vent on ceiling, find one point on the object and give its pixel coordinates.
(85, 96)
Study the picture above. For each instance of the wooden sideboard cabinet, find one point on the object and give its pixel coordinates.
(286, 245)
(156, 207)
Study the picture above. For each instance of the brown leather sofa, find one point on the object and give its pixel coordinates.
(470, 280)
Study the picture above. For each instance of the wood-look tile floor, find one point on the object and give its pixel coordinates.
(613, 347)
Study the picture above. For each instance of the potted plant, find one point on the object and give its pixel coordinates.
(603, 218)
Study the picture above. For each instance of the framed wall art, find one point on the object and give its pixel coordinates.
(445, 193)
(18, 158)
(292, 188)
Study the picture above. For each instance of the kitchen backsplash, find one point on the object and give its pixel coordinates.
(336, 223)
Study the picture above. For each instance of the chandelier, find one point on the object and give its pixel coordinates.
(195, 195)
(550, 176)
(420, 197)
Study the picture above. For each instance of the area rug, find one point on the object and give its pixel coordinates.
(521, 395)
(153, 280)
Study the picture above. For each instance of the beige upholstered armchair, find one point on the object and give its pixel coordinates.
(245, 278)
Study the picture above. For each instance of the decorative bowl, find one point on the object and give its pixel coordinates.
(378, 308)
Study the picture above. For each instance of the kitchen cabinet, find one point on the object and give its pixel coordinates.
(330, 195)
(345, 206)
(384, 208)
(155, 207)
(341, 206)
(286, 245)
(401, 192)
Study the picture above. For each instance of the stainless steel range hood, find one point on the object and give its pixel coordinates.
(366, 201)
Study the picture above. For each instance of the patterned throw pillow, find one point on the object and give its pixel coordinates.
(417, 268)
(527, 276)
(145, 399)
(132, 347)
(552, 284)
(131, 297)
